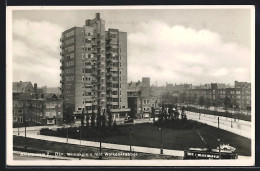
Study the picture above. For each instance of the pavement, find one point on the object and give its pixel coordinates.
(239, 127)
(35, 135)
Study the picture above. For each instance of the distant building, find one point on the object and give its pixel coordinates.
(239, 95)
(35, 107)
(23, 87)
(141, 99)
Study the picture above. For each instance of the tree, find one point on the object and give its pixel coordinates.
(103, 120)
(93, 118)
(82, 117)
(109, 118)
(207, 103)
(98, 118)
(227, 103)
(176, 114)
(170, 111)
(153, 115)
(67, 112)
(183, 115)
(194, 99)
(87, 118)
(201, 101)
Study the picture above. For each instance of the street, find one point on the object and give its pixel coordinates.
(236, 126)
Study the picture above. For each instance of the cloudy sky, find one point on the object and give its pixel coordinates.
(175, 45)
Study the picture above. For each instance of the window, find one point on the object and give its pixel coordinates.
(71, 33)
(119, 72)
(120, 100)
(70, 63)
(87, 41)
(50, 121)
(114, 92)
(115, 100)
(20, 111)
(69, 78)
(115, 85)
(15, 118)
(20, 104)
(87, 70)
(69, 49)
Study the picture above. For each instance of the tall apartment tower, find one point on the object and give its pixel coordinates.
(94, 70)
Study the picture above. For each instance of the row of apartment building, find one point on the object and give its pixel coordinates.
(30, 104)
(142, 97)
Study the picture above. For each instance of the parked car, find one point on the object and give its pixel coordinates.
(128, 120)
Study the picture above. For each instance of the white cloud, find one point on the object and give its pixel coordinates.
(36, 52)
(177, 54)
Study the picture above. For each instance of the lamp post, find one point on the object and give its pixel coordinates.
(161, 151)
(100, 147)
(130, 131)
(67, 131)
(219, 141)
(79, 130)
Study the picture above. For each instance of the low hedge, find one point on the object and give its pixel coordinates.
(218, 113)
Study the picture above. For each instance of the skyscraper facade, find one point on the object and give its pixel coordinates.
(94, 70)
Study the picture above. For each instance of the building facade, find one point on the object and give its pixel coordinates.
(94, 70)
(34, 107)
(141, 98)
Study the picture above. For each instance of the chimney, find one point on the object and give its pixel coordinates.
(35, 87)
(98, 16)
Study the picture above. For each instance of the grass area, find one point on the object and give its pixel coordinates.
(148, 135)
(218, 113)
(42, 146)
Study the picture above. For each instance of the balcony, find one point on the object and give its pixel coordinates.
(109, 37)
(61, 46)
(61, 81)
(61, 67)
(61, 53)
(61, 39)
(114, 103)
(61, 60)
(88, 104)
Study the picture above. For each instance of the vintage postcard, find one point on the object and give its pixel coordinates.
(130, 86)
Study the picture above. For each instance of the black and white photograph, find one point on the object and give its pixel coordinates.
(130, 85)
